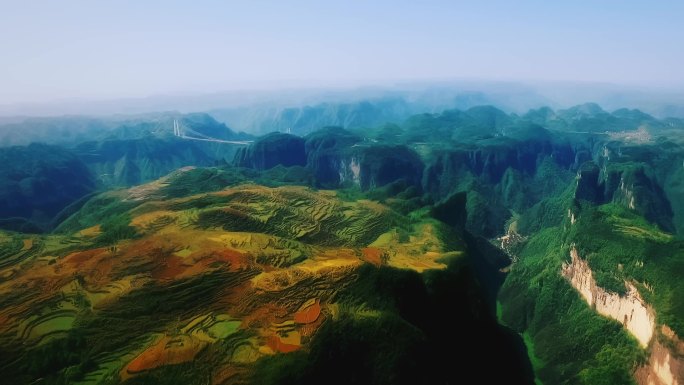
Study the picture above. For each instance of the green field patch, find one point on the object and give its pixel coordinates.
(40, 326)
(53, 325)
(223, 329)
(183, 253)
(385, 239)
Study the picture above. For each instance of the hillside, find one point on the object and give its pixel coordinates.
(565, 226)
(38, 181)
(586, 203)
(247, 284)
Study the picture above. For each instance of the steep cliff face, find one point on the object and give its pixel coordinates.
(381, 165)
(327, 154)
(628, 185)
(630, 310)
(674, 189)
(664, 367)
(511, 175)
(373, 166)
(272, 150)
(589, 188)
(335, 157)
(349, 171)
(490, 163)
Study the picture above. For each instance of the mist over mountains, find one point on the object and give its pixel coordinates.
(240, 109)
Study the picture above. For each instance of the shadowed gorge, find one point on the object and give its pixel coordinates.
(38, 181)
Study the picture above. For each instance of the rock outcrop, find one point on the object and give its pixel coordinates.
(665, 364)
(494, 164)
(630, 310)
(272, 150)
(336, 157)
(664, 367)
(626, 185)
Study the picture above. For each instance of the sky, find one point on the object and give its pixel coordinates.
(56, 50)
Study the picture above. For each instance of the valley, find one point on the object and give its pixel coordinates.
(341, 192)
(281, 258)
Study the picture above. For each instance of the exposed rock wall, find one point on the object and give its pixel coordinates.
(367, 167)
(631, 187)
(630, 310)
(664, 367)
(350, 171)
(272, 150)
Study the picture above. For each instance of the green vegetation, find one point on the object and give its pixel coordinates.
(96, 211)
(115, 229)
(620, 245)
(211, 240)
(537, 363)
(574, 343)
(203, 180)
(11, 250)
(38, 181)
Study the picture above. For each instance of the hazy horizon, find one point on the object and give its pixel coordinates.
(79, 50)
(435, 96)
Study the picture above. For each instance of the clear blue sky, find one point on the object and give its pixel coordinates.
(120, 48)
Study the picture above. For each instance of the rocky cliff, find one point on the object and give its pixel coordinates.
(626, 184)
(367, 167)
(489, 163)
(665, 365)
(272, 150)
(336, 158)
(630, 310)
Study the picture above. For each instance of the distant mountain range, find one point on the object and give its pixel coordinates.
(121, 151)
(242, 105)
(361, 219)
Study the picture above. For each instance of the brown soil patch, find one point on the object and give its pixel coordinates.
(264, 316)
(308, 330)
(82, 257)
(235, 258)
(28, 244)
(277, 345)
(309, 314)
(372, 255)
(170, 268)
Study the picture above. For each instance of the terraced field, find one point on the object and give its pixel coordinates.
(146, 286)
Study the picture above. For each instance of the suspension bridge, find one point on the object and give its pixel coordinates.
(184, 132)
